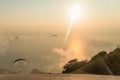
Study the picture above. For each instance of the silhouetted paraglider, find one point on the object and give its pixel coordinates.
(20, 64)
(54, 37)
(18, 37)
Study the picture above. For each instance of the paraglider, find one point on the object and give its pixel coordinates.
(17, 37)
(20, 59)
(20, 64)
(54, 37)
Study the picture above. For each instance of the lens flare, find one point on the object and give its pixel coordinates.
(74, 13)
(69, 29)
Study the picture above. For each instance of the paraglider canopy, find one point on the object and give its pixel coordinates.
(21, 64)
(54, 35)
(54, 38)
(19, 59)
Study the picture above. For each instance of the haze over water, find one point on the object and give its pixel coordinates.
(26, 27)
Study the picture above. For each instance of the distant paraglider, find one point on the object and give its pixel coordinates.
(17, 37)
(20, 64)
(54, 37)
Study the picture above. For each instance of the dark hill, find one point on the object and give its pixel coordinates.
(4, 71)
(36, 71)
(102, 63)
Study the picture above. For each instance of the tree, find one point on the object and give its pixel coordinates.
(73, 65)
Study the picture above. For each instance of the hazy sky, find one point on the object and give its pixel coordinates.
(52, 14)
(98, 28)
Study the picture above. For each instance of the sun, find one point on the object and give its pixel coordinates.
(74, 12)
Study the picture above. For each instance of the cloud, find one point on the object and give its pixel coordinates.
(64, 56)
(3, 44)
(100, 43)
(36, 49)
(30, 47)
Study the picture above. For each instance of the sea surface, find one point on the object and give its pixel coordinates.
(58, 77)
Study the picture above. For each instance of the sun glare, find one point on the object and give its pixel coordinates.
(75, 45)
(74, 12)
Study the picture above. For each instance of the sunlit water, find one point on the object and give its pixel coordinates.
(58, 77)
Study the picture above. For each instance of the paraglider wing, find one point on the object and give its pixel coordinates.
(21, 65)
(54, 35)
(20, 59)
